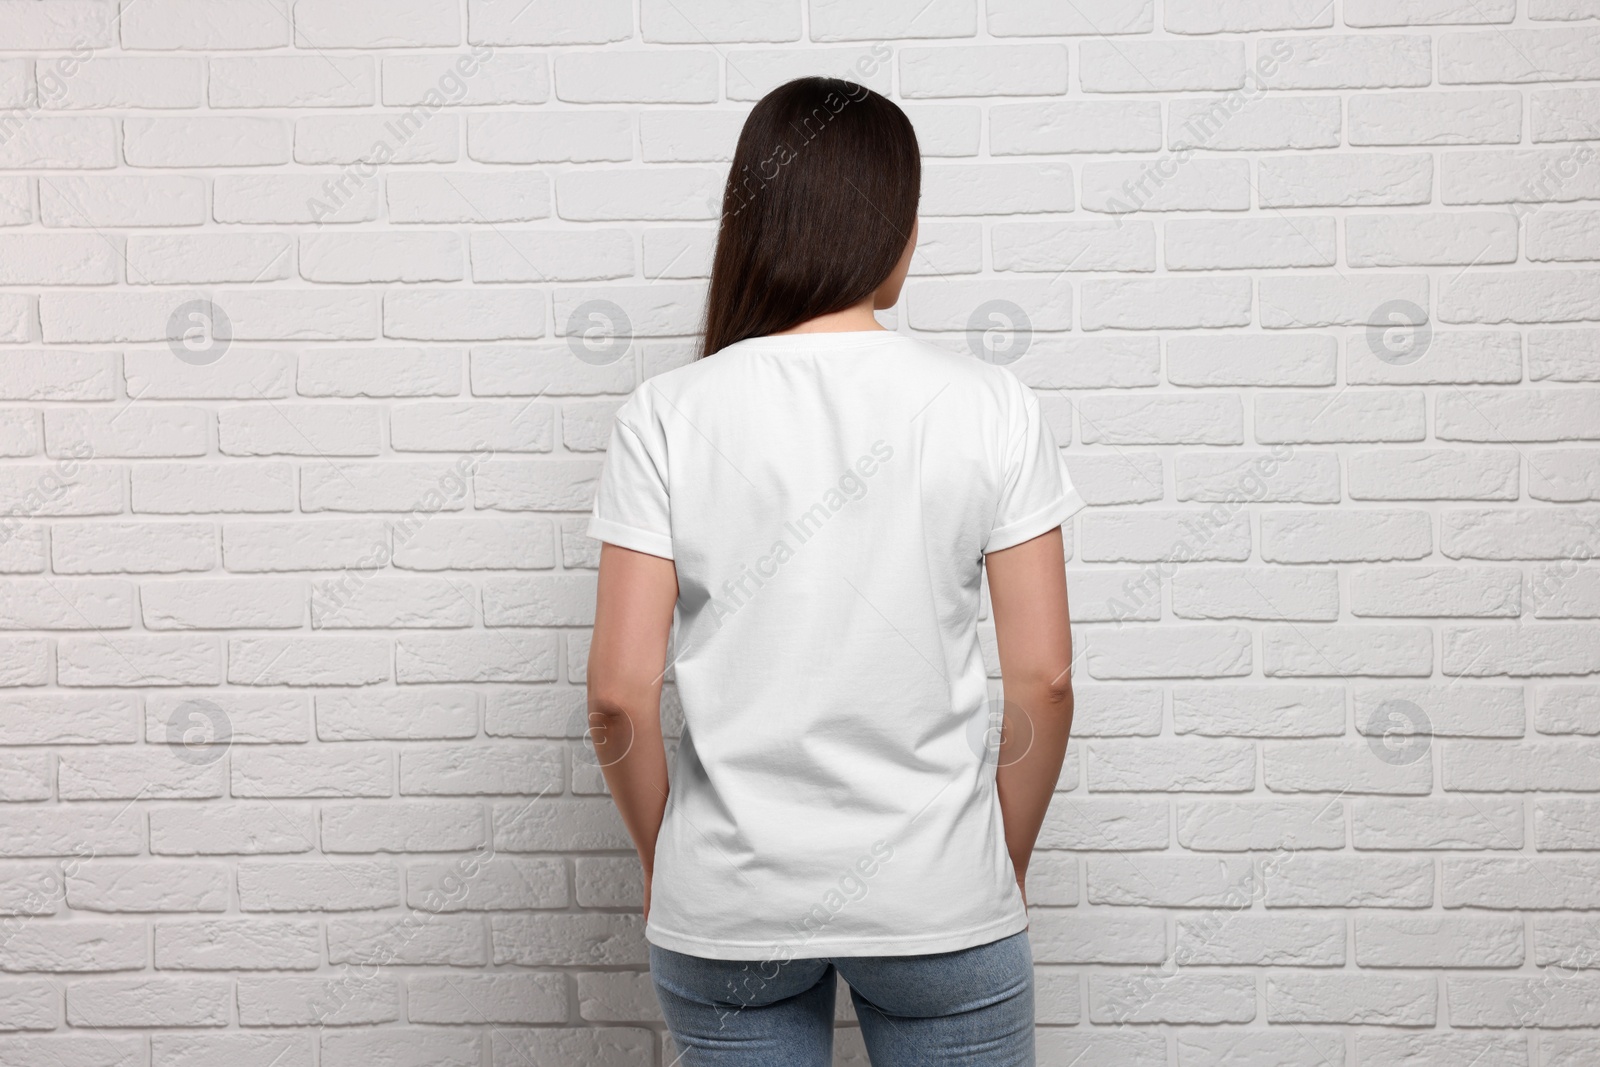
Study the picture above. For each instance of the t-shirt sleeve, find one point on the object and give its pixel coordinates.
(1036, 494)
(631, 506)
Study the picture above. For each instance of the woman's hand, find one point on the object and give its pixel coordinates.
(649, 876)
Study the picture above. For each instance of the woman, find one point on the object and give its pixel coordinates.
(816, 500)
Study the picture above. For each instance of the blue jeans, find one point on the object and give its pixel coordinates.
(972, 1007)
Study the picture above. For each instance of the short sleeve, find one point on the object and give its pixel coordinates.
(1036, 494)
(631, 506)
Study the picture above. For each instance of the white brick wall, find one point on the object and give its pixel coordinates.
(346, 545)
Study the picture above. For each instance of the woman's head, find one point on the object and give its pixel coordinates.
(819, 207)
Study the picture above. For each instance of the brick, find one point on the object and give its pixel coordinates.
(503, 998)
(1276, 593)
(365, 24)
(1519, 56)
(1252, 1046)
(832, 20)
(347, 1000)
(442, 1047)
(1528, 175)
(640, 77)
(1367, 13)
(625, 1046)
(149, 1002)
(1441, 1048)
(753, 73)
(340, 885)
(1340, 766)
(996, 189)
(1450, 710)
(1258, 711)
(1158, 766)
(1170, 882)
(410, 939)
(1104, 823)
(1247, 826)
(568, 940)
(1070, 125)
(1547, 296)
(1261, 940)
(1027, 18)
(423, 826)
(1364, 535)
(549, 824)
(1179, 651)
(206, 25)
(1508, 884)
(1190, 16)
(557, 137)
(1461, 117)
(1365, 61)
(672, 195)
(1434, 474)
(1568, 709)
(255, 547)
(1150, 536)
(1350, 882)
(1559, 115)
(1118, 477)
(617, 997)
(661, 21)
(501, 769)
(238, 944)
(423, 137)
(1502, 766)
(293, 198)
(149, 886)
(1461, 238)
(380, 372)
(1160, 66)
(1179, 998)
(1523, 1002)
(1344, 415)
(1259, 125)
(465, 79)
(82, 946)
(493, 885)
(1437, 823)
(246, 829)
(334, 771)
(1456, 356)
(1355, 998)
(1558, 534)
(1354, 180)
(1119, 188)
(291, 81)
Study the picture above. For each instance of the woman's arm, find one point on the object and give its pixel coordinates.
(627, 658)
(1028, 589)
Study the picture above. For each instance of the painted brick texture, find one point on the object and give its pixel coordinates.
(309, 316)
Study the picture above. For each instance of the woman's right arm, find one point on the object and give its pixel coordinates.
(1028, 590)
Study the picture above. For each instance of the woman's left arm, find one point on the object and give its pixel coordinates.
(627, 659)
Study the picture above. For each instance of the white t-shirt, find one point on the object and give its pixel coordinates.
(827, 500)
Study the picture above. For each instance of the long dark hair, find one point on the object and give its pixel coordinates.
(818, 207)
